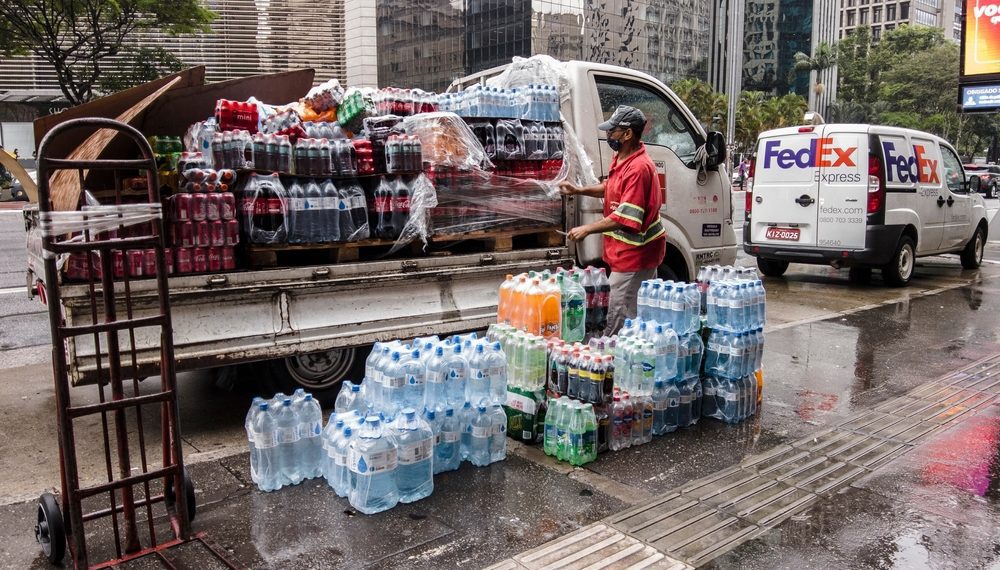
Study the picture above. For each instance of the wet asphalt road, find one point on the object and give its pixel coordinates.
(833, 350)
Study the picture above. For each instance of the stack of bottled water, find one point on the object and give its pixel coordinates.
(571, 431)
(532, 102)
(677, 370)
(285, 443)
(422, 409)
(734, 353)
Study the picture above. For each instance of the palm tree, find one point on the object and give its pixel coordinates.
(823, 58)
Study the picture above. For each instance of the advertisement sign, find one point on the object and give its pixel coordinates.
(981, 46)
(980, 97)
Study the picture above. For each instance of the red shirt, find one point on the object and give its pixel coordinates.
(632, 198)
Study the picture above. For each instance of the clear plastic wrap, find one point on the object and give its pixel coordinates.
(263, 204)
(465, 191)
(326, 96)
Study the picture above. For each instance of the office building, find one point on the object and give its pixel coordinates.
(428, 43)
(884, 15)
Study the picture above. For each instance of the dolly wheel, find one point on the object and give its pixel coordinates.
(188, 493)
(49, 531)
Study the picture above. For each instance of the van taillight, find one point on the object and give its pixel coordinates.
(876, 192)
(749, 185)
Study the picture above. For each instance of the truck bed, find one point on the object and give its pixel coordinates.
(246, 316)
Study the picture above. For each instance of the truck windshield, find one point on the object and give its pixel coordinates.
(666, 126)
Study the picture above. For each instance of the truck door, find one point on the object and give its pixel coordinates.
(958, 203)
(842, 174)
(913, 186)
(699, 209)
(785, 190)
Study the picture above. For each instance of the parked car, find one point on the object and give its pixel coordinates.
(989, 175)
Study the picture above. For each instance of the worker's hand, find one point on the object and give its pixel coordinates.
(568, 188)
(578, 233)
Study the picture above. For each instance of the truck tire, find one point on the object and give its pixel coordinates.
(771, 267)
(319, 373)
(972, 255)
(899, 271)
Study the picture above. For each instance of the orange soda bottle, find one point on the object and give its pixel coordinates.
(551, 309)
(504, 300)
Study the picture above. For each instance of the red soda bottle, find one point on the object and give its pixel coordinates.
(185, 235)
(217, 233)
(232, 232)
(228, 259)
(149, 262)
(202, 237)
(215, 259)
(184, 262)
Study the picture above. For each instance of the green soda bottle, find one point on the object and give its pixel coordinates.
(589, 452)
(562, 429)
(576, 452)
(550, 441)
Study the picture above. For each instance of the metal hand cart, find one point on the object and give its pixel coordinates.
(138, 489)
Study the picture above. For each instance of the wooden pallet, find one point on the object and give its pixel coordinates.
(291, 255)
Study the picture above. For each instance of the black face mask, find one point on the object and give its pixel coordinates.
(615, 144)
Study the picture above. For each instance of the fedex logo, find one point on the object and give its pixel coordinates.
(820, 152)
(903, 168)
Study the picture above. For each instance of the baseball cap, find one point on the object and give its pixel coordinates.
(624, 117)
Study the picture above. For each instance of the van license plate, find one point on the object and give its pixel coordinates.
(782, 234)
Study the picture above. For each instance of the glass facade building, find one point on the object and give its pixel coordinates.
(428, 44)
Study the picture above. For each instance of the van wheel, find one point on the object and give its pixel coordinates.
(898, 271)
(860, 275)
(972, 255)
(772, 268)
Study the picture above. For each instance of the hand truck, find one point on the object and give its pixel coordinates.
(102, 234)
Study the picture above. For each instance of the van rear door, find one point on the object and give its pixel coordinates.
(785, 191)
(842, 173)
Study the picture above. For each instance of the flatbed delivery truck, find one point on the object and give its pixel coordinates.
(314, 325)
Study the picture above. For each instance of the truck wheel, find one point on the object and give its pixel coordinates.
(972, 255)
(899, 271)
(319, 373)
(771, 267)
(860, 275)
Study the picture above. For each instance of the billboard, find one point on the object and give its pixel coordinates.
(979, 78)
(981, 31)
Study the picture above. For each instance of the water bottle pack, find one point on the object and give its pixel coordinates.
(285, 443)
(676, 305)
(731, 400)
(734, 355)
(532, 102)
(708, 274)
(736, 305)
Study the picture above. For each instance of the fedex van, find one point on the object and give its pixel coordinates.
(863, 197)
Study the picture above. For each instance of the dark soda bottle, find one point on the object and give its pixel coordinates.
(400, 206)
(344, 214)
(330, 213)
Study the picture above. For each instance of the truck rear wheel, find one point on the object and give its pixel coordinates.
(899, 271)
(319, 373)
(771, 267)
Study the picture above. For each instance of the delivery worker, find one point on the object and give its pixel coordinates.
(634, 240)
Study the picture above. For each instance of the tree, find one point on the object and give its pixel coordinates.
(822, 59)
(139, 66)
(78, 37)
(708, 105)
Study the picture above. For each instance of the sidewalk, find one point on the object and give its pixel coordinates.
(870, 451)
(914, 482)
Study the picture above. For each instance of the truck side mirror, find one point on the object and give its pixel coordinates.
(715, 148)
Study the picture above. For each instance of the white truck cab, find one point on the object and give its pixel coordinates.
(860, 196)
(697, 212)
